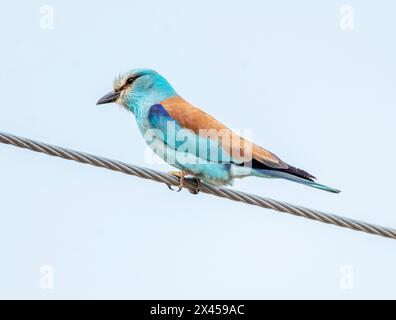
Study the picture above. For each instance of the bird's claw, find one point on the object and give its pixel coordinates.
(170, 187)
(198, 189)
(181, 175)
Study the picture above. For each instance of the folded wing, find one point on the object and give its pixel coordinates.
(241, 151)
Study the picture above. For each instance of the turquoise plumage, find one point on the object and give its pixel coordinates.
(193, 141)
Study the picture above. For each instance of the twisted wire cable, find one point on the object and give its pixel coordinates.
(191, 184)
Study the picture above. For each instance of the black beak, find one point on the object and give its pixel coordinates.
(108, 98)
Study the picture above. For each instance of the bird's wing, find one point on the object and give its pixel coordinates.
(189, 117)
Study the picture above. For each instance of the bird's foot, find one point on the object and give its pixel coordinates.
(199, 185)
(181, 174)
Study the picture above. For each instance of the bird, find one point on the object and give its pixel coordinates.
(193, 141)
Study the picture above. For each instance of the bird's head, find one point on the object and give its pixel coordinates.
(137, 86)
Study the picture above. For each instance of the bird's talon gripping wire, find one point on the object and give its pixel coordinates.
(198, 188)
(181, 185)
(180, 175)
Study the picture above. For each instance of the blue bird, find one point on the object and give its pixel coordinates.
(192, 140)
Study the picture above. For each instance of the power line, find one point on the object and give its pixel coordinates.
(190, 184)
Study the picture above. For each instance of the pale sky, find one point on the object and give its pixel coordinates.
(318, 95)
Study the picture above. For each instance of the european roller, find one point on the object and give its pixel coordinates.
(193, 141)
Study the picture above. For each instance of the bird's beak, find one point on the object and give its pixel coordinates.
(108, 98)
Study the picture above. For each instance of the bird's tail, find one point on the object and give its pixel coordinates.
(288, 176)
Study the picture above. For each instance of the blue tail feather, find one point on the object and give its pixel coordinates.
(287, 176)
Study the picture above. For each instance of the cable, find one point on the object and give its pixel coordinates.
(190, 184)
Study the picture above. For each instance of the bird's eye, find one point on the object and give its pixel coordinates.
(130, 80)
